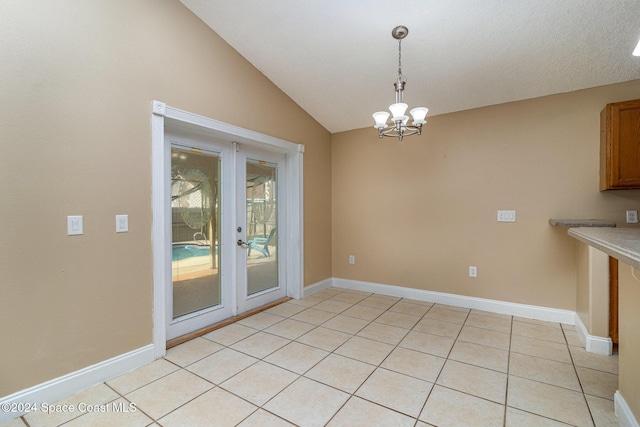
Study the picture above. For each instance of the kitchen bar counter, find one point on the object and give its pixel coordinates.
(620, 243)
(623, 244)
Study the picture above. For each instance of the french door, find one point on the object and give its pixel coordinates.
(260, 209)
(226, 206)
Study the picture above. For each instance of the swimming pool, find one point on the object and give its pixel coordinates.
(185, 251)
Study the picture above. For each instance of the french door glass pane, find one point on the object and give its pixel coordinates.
(262, 226)
(195, 230)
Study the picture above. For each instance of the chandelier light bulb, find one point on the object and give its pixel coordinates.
(419, 114)
(397, 110)
(381, 119)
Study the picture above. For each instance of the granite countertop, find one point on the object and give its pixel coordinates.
(570, 222)
(620, 243)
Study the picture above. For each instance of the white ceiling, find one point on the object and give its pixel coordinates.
(338, 61)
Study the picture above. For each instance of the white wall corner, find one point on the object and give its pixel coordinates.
(67, 385)
(592, 343)
(623, 412)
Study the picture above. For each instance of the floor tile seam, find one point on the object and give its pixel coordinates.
(584, 394)
(424, 351)
(338, 330)
(426, 317)
(506, 389)
(432, 389)
(397, 411)
(253, 355)
(306, 371)
(484, 345)
(596, 370)
(546, 383)
(538, 338)
(235, 342)
(487, 329)
(220, 386)
(384, 342)
(537, 415)
(150, 382)
(478, 366)
(504, 405)
(157, 420)
(394, 325)
(556, 327)
(270, 412)
(612, 399)
(564, 388)
(354, 393)
(331, 311)
(541, 357)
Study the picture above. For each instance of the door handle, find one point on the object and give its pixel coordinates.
(243, 244)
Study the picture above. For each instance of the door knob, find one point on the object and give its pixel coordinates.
(243, 244)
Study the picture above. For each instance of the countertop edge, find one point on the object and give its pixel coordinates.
(626, 255)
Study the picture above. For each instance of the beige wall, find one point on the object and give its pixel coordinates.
(418, 213)
(592, 290)
(78, 78)
(629, 335)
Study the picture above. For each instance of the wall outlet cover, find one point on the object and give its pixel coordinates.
(507, 216)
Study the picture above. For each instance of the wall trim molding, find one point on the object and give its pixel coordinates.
(67, 385)
(495, 306)
(623, 412)
(592, 343)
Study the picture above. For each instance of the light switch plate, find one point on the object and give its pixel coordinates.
(473, 271)
(122, 223)
(506, 216)
(74, 225)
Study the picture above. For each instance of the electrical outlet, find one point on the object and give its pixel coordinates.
(632, 217)
(506, 216)
(352, 259)
(473, 271)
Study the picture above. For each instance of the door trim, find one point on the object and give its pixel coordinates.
(164, 117)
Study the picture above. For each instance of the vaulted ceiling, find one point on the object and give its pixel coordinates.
(338, 60)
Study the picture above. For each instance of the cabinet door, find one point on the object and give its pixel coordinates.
(620, 146)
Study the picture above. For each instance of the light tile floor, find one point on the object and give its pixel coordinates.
(348, 358)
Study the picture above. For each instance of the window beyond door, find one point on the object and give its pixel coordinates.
(262, 226)
(195, 231)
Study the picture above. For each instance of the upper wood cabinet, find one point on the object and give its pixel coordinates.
(620, 146)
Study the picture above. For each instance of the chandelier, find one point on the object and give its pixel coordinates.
(399, 127)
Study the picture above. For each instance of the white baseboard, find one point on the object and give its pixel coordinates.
(67, 385)
(623, 412)
(317, 287)
(495, 306)
(592, 343)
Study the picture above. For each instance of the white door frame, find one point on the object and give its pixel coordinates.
(164, 117)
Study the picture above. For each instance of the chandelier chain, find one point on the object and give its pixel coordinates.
(400, 58)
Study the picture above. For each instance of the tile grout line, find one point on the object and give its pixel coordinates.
(575, 369)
